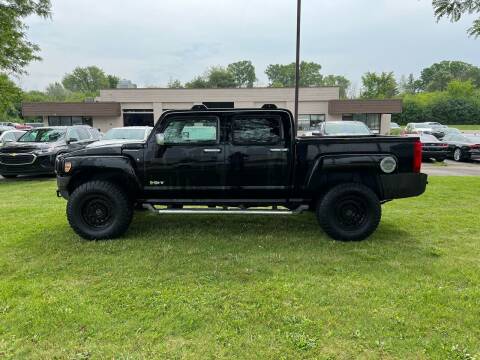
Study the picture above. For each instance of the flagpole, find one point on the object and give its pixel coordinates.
(297, 64)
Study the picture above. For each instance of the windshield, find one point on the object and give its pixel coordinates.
(43, 135)
(125, 134)
(346, 128)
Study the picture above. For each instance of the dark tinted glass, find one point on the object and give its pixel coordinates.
(257, 130)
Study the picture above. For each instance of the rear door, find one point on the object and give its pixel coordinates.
(191, 163)
(258, 155)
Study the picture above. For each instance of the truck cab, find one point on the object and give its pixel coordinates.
(239, 161)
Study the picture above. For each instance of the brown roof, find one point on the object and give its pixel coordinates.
(71, 109)
(391, 106)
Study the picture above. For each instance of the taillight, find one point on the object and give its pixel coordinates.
(417, 156)
(475, 146)
(445, 145)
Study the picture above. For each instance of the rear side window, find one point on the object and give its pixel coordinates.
(83, 134)
(252, 130)
(94, 133)
(191, 131)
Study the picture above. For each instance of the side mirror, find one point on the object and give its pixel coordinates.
(160, 139)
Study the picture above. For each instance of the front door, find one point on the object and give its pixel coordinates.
(259, 156)
(191, 163)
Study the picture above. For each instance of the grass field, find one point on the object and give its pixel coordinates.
(242, 287)
(466, 127)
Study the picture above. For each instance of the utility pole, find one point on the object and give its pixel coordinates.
(297, 64)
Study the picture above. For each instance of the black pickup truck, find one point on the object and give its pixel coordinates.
(239, 161)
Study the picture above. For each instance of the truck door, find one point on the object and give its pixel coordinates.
(191, 162)
(258, 155)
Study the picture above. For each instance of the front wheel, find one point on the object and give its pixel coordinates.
(99, 210)
(349, 212)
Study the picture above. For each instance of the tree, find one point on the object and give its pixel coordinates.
(408, 85)
(16, 51)
(10, 95)
(337, 80)
(379, 86)
(56, 92)
(175, 84)
(437, 76)
(198, 82)
(281, 75)
(219, 77)
(89, 80)
(243, 73)
(112, 81)
(455, 9)
(460, 89)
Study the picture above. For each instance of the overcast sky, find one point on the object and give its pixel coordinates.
(151, 41)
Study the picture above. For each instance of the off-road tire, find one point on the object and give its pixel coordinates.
(349, 212)
(99, 210)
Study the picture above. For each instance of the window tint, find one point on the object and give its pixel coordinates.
(9, 137)
(257, 130)
(184, 131)
(94, 133)
(73, 135)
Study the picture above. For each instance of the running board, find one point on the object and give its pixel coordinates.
(227, 211)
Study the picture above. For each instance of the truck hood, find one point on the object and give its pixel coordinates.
(115, 149)
(111, 142)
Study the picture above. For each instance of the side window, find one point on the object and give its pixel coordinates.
(252, 130)
(73, 135)
(191, 131)
(95, 134)
(83, 134)
(9, 137)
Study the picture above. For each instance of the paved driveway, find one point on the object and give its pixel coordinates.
(452, 168)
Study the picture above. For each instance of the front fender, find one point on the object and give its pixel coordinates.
(116, 168)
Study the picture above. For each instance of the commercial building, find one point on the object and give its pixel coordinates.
(135, 107)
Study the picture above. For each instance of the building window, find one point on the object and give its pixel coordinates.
(69, 120)
(371, 120)
(308, 122)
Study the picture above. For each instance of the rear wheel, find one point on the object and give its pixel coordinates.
(349, 212)
(99, 210)
(457, 154)
(9, 176)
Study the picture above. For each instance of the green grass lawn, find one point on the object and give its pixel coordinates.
(466, 127)
(242, 287)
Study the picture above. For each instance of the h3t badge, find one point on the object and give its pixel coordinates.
(155, 182)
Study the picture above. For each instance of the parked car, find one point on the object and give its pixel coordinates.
(34, 153)
(432, 148)
(124, 135)
(449, 130)
(343, 128)
(425, 128)
(10, 136)
(462, 147)
(4, 128)
(35, 125)
(235, 160)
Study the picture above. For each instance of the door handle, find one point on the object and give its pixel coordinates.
(212, 150)
(278, 150)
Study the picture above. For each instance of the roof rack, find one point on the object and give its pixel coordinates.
(200, 107)
(269, 107)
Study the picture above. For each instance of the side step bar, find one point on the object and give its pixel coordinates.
(227, 211)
